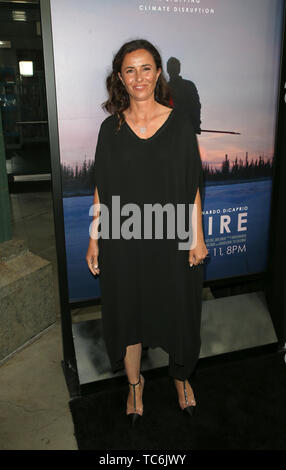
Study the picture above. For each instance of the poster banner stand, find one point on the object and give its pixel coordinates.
(77, 338)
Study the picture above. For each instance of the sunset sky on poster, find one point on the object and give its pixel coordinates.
(232, 56)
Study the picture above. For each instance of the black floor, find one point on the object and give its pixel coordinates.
(240, 405)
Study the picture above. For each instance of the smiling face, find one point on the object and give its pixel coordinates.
(139, 74)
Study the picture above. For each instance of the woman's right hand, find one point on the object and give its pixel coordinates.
(92, 256)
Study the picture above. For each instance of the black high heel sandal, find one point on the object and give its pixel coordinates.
(134, 417)
(189, 410)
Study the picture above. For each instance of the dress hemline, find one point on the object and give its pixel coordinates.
(118, 365)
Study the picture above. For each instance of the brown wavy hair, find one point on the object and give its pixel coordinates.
(118, 98)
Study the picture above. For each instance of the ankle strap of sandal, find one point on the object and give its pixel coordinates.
(136, 383)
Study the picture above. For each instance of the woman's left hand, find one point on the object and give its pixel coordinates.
(199, 253)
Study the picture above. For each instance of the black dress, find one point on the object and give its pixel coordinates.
(149, 292)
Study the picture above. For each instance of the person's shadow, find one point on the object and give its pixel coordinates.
(184, 93)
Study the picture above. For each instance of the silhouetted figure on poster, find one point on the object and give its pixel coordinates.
(184, 93)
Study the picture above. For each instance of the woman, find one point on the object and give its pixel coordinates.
(147, 153)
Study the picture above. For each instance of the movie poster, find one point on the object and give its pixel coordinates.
(221, 58)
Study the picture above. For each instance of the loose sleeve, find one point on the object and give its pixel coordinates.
(194, 164)
(99, 158)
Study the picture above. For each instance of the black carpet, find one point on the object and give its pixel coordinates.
(240, 405)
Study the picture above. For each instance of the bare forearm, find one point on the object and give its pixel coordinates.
(200, 232)
(94, 230)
